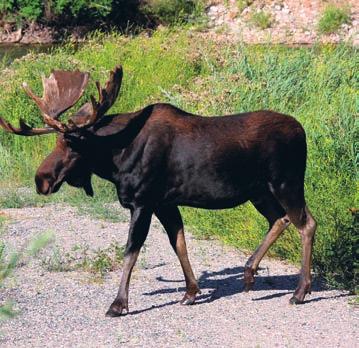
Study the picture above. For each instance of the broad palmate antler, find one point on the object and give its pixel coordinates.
(62, 90)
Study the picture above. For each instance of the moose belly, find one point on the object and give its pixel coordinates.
(206, 191)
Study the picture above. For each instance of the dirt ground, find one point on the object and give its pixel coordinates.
(67, 309)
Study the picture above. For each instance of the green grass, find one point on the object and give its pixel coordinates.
(261, 19)
(243, 4)
(99, 261)
(317, 85)
(9, 260)
(332, 19)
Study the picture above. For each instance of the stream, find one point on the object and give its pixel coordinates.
(9, 52)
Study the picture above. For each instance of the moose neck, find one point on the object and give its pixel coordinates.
(113, 136)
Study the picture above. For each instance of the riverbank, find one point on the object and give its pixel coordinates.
(42, 34)
(289, 22)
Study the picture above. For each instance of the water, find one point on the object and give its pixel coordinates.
(9, 52)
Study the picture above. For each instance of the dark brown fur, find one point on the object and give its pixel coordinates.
(161, 157)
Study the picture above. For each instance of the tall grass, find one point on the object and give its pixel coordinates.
(318, 85)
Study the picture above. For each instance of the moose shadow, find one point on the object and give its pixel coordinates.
(229, 281)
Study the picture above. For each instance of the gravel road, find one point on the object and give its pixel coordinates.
(67, 309)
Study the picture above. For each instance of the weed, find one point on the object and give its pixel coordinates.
(9, 261)
(332, 19)
(98, 262)
(243, 4)
(261, 19)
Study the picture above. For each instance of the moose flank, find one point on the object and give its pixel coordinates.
(161, 157)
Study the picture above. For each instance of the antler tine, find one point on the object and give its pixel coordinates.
(24, 129)
(100, 91)
(95, 110)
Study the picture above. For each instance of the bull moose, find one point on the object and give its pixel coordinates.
(161, 157)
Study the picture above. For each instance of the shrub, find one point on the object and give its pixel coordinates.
(113, 13)
(332, 19)
(261, 19)
(171, 12)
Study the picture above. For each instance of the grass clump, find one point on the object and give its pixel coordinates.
(10, 260)
(261, 19)
(243, 4)
(332, 19)
(98, 262)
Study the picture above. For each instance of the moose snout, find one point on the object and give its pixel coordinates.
(43, 186)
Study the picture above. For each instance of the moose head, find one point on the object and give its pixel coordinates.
(67, 162)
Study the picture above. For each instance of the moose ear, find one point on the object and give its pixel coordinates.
(126, 123)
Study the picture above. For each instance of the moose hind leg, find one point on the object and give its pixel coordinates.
(171, 220)
(139, 226)
(278, 221)
(291, 197)
(307, 231)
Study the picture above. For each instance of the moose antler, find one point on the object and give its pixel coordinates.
(61, 91)
(24, 129)
(93, 111)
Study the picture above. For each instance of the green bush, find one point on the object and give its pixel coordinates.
(173, 11)
(33, 10)
(261, 19)
(332, 19)
(110, 12)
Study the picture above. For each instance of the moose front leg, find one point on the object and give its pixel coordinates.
(171, 220)
(139, 226)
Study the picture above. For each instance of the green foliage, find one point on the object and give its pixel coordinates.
(261, 19)
(34, 10)
(30, 9)
(9, 261)
(332, 19)
(99, 8)
(98, 262)
(6, 5)
(173, 11)
(113, 13)
(243, 4)
(317, 85)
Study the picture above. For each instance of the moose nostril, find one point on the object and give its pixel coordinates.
(42, 186)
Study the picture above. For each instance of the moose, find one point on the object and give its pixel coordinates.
(161, 157)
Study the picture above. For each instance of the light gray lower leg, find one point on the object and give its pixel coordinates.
(307, 236)
(253, 262)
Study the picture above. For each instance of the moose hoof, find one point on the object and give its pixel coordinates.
(116, 310)
(188, 300)
(248, 279)
(295, 301)
(248, 287)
